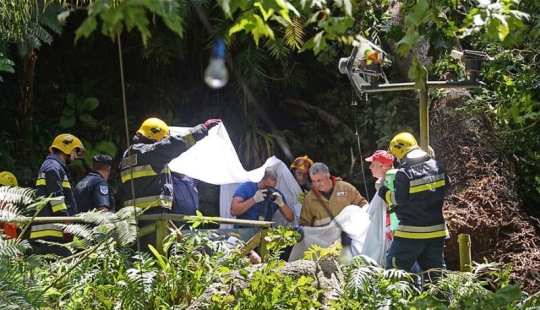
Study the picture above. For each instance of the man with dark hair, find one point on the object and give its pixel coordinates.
(253, 201)
(93, 192)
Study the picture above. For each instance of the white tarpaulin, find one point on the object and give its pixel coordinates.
(352, 219)
(214, 160)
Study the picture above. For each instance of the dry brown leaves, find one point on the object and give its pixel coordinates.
(484, 202)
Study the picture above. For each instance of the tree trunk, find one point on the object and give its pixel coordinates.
(26, 84)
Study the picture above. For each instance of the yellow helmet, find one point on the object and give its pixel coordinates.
(8, 179)
(154, 128)
(67, 143)
(402, 144)
(302, 163)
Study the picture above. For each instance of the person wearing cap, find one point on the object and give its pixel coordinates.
(54, 181)
(8, 179)
(380, 162)
(145, 168)
(93, 191)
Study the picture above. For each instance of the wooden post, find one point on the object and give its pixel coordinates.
(464, 242)
(264, 243)
(251, 243)
(161, 233)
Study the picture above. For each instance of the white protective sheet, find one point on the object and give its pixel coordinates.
(214, 160)
(376, 243)
(352, 219)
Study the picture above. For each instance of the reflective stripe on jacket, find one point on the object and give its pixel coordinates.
(419, 189)
(150, 171)
(53, 181)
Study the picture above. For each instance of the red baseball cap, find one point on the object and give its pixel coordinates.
(382, 157)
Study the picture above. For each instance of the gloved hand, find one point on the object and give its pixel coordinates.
(260, 195)
(212, 123)
(278, 199)
(382, 192)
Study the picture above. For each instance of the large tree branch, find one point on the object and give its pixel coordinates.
(327, 117)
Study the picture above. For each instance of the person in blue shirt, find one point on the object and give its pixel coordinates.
(253, 201)
(93, 191)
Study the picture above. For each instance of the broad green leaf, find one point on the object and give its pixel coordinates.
(265, 13)
(421, 13)
(67, 121)
(89, 104)
(408, 42)
(72, 100)
(88, 119)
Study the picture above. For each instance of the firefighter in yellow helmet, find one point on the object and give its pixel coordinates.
(54, 181)
(300, 169)
(420, 185)
(8, 179)
(146, 164)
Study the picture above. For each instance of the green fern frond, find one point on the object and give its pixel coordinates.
(16, 195)
(277, 48)
(99, 217)
(30, 42)
(11, 299)
(361, 279)
(13, 247)
(49, 18)
(40, 33)
(79, 230)
(6, 64)
(106, 147)
(294, 34)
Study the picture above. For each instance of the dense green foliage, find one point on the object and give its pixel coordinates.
(272, 105)
(278, 101)
(104, 273)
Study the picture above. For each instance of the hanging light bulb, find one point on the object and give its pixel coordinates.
(216, 74)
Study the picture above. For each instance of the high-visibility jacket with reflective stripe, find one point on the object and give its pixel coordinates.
(150, 172)
(53, 181)
(419, 189)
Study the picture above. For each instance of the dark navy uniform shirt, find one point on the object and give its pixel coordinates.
(93, 192)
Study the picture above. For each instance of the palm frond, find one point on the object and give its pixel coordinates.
(294, 34)
(277, 48)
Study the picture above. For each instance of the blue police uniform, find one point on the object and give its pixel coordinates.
(92, 192)
(419, 190)
(186, 195)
